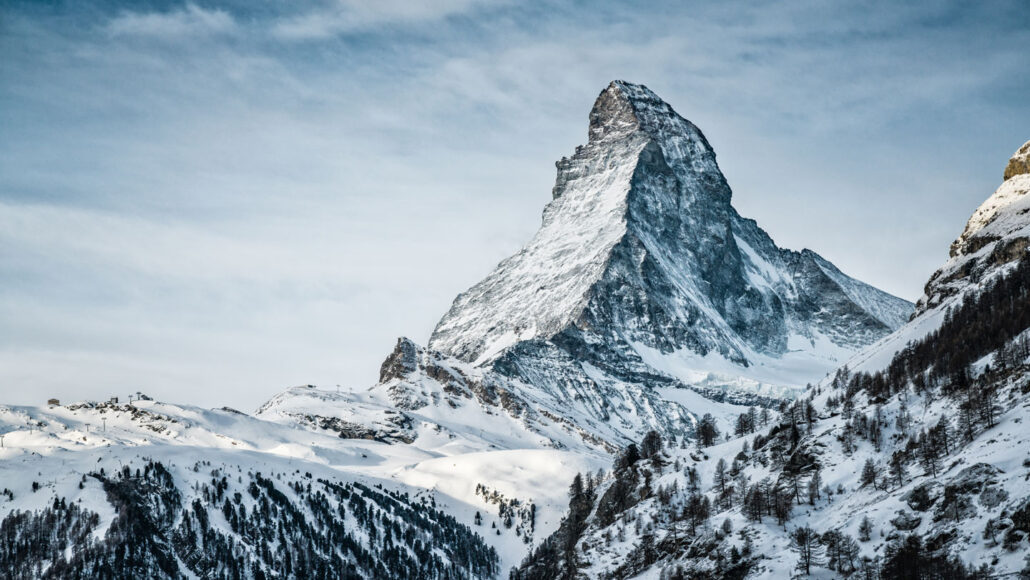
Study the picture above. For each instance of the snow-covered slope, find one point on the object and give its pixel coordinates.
(994, 240)
(437, 403)
(75, 454)
(996, 234)
(912, 463)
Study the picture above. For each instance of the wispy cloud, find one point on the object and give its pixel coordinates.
(189, 20)
(341, 16)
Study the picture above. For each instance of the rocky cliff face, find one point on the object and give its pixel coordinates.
(643, 275)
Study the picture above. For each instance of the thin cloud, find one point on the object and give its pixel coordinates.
(190, 20)
(345, 16)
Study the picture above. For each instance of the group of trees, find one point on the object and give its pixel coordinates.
(687, 510)
(750, 421)
(905, 558)
(909, 558)
(684, 510)
(767, 498)
(839, 552)
(556, 557)
(928, 448)
(30, 540)
(933, 445)
(303, 529)
(992, 320)
(511, 511)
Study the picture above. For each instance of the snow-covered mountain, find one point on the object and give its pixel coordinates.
(641, 249)
(157, 490)
(643, 280)
(909, 462)
(643, 294)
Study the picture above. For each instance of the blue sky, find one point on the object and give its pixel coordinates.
(211, 201)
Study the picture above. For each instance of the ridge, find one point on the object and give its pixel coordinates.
(997, 234)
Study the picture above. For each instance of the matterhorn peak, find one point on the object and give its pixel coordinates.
(642, 269)
(624, 107)
(613, 112)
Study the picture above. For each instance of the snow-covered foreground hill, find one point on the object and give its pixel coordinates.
(75, 454)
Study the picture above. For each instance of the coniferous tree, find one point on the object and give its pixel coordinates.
(929, 453)
(651, 445)
(707, 432)
(815, 483)
(869, 473)
(865, 529)
(898, 469)
(805, 541)
(720, 482)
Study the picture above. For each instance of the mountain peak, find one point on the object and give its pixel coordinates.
(615, 110)
(623, 109)
(641, 251)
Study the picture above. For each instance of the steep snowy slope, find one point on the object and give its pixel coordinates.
(995, 235)
(994, 240)
(912, 464)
